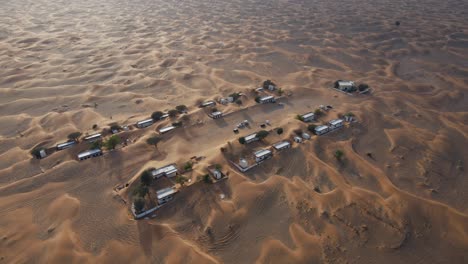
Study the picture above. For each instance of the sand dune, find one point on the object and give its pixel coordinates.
(398, 196)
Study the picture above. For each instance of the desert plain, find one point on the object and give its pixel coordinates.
(400, 195)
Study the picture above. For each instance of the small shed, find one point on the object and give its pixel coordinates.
(308, 117)
(262, 155)
(297, 139)
(305, 136)
(251, 138)
(166, 129)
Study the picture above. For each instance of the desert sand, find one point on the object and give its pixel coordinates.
(399, 196)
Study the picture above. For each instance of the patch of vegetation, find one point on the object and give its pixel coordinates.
(157, 115)
(318, 112)
(181, 180)
(242, 140)
(207, 179)
(239, 102)
(214, 109)
(140, 191)
(181, 108)
(146, 178)
(96, 144)
(299, 117)
(349, 114)
(173, 113)
(112, 142)
(139, 204)
(339, 155)
(279, 131)
(177, 124)
(153, 140)
(311, 128)
(262, 134)
(280, 91)
(115, 127)
(363, 86)
(95, 126)
(267, 83)
(235, 96)
(74, 136)
(218, 167)
(188, 166)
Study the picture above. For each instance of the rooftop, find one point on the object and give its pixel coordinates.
(311, 114)
(93, 136)
(68, 143)
(217, 113)
(145, 121)
(166, 169)
(267, 97)
(336, 121)
(320, 128)
(88, 153)
(251, 136)
(262, 152)
(166, 129)
(163, 193)
(281, 144)
(346, 83)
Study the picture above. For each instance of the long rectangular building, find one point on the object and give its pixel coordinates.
(89, 154)
(168, 171)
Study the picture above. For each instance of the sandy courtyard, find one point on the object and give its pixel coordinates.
(399, 196)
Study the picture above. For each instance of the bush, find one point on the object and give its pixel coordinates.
(146, 178)
(257, 99)
(299, 117)
(242, 140)
(140, 191)
(339, 154)
(397, 23)
(218, 167)
(139, 204)
(363, 87)
(280, 91)
(188, 166)
(214, 109)
(115, 127)
(157, 115)
(181, 180)
(239, 102)
(112, 142)
(177, 124)
(74, 136)
(153, 140)
(267, 83)
(279, 131)
(95, 126)
(173, 113)
(349, 114)
(311, 128)
(318, 112)
(181, 108)
(262, 134)
(96, 144)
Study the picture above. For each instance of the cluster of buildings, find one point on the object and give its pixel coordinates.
(261, 155)
(331, 126)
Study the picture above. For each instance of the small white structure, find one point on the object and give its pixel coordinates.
(251, 138)
(297, 139)
(282, 145)
(217, 174)
(223, 101)
(230, 99)
(65, 145)
(320, 130)
(309, 117)
(271, 87)
(89, 154)
(243, 163)
(336, 123)
(145, 123)
(93, 137)
(208, 103)
(305, 136)
(166, 129)
(262, 155)
(42, 153)
(165, 195)
(216, 115)
(267, 99)
(168, 171)
(346, 85)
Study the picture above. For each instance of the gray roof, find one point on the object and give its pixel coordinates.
(336, 122)
(166, 129)
(93, 136)
(150, 120)
(65, 144)
(320, 128)
(262, 152)
(163, 193)
(89, 153)
(251, 136)
(281, 144)
(305, 116)
(168, 169)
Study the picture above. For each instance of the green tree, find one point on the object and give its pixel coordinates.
(157, 115)
(74, 136)
(257, 99)
(96, 144)
(139, 204)
(299, 117)
(173, 113)
(153, 141)
(188, 166)
(112, 142)
(115, 127)
(262, 134)
(311, 128)
(207, 179)
(146, 178)
(95, 126)
(339, 154)
(279, 131)
(181, 108)
(242, 140)
(280, 91)
(140, 191)
(181, 180)
(318, 112)
(239, 102)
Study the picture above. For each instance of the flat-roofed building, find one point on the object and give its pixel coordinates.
(297, 139)
(251, 138)
(345, 85)
(320, 130)
(309, 117)
(263, 154)
(216, 114)
(65, 145)
(89, 154)
(208, 103)
(93, 137)
(165, 195)
(166, 129)
(282, 145)
(336, 123)
(267, 99)
(145, 123)
(168, 171)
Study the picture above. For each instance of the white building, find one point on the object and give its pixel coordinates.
(93, 137)
(216, 115)
(208, 103)
(165, 195)
(336, 123)
(282, 145)
(309, 117)
(89, 154)
(243, 163)
(346, 85)
(145, 123)
(267, 99)
(166, 129)
(168, 171)
(297, 139)
(320, 130)
(251, 138)
(65, 145)
(262, 155)
(305, 136)
(42, 153)
(217, 174)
